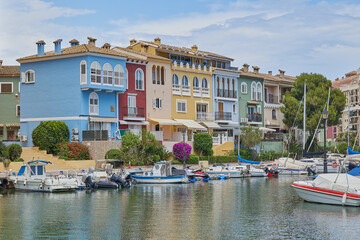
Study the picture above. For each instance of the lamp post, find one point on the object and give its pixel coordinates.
(325, 115)
(184, 139)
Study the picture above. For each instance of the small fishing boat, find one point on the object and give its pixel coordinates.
(254, 172)
(32, 177)
(337, 189)
(238, 171)
(162, 172)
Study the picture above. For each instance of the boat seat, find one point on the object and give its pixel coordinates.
(21, 171)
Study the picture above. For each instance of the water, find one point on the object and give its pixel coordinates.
(257, 208)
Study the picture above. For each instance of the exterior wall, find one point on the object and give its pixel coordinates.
(98, 149)
(8, 102)
(272, 146)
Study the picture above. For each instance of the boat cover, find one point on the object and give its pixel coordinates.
(354, 172)
(351, 152)
(342, 182)
(247, 161)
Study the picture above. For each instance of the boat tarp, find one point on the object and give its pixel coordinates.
(354, 172)
(247, 161)
(342, 182)
(352, 152)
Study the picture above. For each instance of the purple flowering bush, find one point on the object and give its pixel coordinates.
(178, 150)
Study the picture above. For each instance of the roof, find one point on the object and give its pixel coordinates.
(269, 77)
(10, 71)
(145, 54)
(350, 78)
(78, 49)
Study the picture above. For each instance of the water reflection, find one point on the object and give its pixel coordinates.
(257, 208)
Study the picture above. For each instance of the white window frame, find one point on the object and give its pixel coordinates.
(139, 83)
(12, 87)
(107, 74)
(97, 73)
(177, 77)
(197, 80)
(127, 79)
(244, 84)
(258, 92)
(207, 83)
(253, 91)
(83, 76)
(157, 103)
(177, 105)
(94, 108)
(17, 110)
(182, 81)
(272, 114)
(26, 80)
(234, 108)
(119, 80)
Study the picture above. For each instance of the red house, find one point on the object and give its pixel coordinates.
(132, 103)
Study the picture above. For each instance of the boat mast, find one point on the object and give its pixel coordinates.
(304, 119)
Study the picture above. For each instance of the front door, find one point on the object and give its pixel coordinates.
(221, 110)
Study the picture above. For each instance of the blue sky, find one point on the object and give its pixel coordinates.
(296, 36)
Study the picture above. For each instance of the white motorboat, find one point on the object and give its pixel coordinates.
(336, 189)
(290, 166)
(238, 171)
(257, 172)
(32, 177)
(162, 172)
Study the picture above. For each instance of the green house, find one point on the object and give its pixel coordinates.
(9, 102)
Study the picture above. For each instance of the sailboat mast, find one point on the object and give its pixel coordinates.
(304, 119)
(348, 132)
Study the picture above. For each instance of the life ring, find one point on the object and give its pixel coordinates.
(274, 166)
(334, 164)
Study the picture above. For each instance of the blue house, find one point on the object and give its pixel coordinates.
(78, 85)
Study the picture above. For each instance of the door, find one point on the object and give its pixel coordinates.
(132, 111)
(221, 110)
(201, 110)
(10, 134)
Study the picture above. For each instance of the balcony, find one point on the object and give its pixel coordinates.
(197, 91)
(223, 116)
(256, 117)
(186, 91)
(204, 116)
(272, 99)
(190, 65)
(226, 93)
(133, 112)
(176, 89)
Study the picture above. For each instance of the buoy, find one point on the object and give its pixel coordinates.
(274, 166)
(129, 164)
(334, 164)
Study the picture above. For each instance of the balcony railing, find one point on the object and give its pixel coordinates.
(274, 137)
(133, 112)
(197, 91)
(226, 93)
(176, 89)
(186, 90)
(256, 117)
(272, 99)
(206, 92)
(204, 116)
(95, 135)
(223, 116)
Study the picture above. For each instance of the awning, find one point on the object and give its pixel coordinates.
(13, 125)
(211, 124)
(123, 122)
(190, 124)
(103, 119)
(163, 121)
(267, 129)
(253, 102)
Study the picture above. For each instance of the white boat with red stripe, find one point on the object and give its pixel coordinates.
(336, 189)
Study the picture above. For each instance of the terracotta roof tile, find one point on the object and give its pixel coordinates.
(338, 83)
(10, 71)
(145, 54)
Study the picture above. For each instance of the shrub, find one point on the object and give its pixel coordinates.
(2, 148)
(178, 150)
(19, 160)
(74, 151)
(203, 143)
(15, 151)
(156, 158)
(193, 159)
(114, 154)
(219, 159)
(50, 135)
(244, 154)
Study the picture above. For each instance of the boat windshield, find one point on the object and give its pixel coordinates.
(32, 168)
(40, 170)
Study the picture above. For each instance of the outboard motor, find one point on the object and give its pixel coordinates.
(117, 179)
(88, 182)
(310, 171)
(4, 183)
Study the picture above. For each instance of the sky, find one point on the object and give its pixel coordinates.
(292, 35)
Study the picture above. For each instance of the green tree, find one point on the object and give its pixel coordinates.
(343, 137)
(316, 98)
(249, 137)
(203, 143)
(15, 151)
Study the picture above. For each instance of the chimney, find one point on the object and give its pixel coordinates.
(92, 41)
(256, 69)
(132, 41)
(106, 46)
(1, 61)
(270, 72)
(282, 73)
(194, 48)
(157, 41)
(40, 47)
(58, 46)
(74, 42)
(246, 67)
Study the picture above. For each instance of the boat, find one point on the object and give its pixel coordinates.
(32, 177)
(337, 189)
(101, 179)
(230, 171)
(161, 173)
(254, 172)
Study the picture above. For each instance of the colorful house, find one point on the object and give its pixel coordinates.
(9, 102)
(78, 85)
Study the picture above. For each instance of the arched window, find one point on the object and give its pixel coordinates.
(158, 74)
(175, 79)
(253, 91)
(195, 82)
(95, 72)
(273, 114)
(153, 75)
(93, 104)
(205, 83)
(107, 74)
(119, 74)
(139, 79)
(30, 76)
(244, 88)
(162, 76)
(259, 92)
(83, 72)
(185, 81)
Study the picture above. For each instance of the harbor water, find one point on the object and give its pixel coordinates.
(253, 208)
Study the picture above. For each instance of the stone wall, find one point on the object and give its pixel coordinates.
(98, 149)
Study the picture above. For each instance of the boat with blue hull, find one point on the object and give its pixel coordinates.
(161, 173)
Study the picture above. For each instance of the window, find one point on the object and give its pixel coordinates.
(273, 114)
(185, 81)
(132, 110)
(158, 75)
(18, 110)
(158, 103)
(29, 76)
(153, 75)
(195, 82)
(253, 91)
(83, 72)
(95, 73)
(175, 79)
(119, 76)
(6, 87)
(139, 80)
(94, 104)
(259, 109)
(181, 106)
(205, 83)
(259, 92)
(107, 74)
(234, 108)
(243, 88)
(162, 76)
